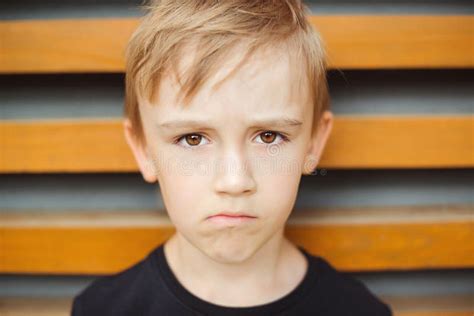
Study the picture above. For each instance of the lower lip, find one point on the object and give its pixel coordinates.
(230, 220)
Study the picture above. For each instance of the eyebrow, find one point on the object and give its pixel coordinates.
(279, 122)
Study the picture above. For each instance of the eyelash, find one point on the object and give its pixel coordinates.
(283, 136)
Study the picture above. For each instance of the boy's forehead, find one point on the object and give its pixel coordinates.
(265, 84)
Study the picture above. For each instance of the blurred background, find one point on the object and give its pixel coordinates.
(391, 203)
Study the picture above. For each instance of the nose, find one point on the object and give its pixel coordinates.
(234, 175)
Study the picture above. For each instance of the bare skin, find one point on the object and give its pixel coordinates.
(233, 264)
(286, 264)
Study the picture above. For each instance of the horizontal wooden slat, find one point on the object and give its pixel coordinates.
(431, 305)
(76, 45)
(353, 42)
(356, 142)
(64, 146)
(440, 305)
(366, 239)
(391, 41)
(38, 306)
(400, 142)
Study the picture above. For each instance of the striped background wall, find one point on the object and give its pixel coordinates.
(414, 92)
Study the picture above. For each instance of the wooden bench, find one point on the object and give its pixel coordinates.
(356, 239)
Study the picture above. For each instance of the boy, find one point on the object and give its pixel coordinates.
(226, 107)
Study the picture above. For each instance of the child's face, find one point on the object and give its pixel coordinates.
(231, 164)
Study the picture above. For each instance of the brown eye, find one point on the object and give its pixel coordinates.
(193, 139)
(268, 137)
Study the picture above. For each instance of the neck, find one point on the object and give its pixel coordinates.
(265, 273)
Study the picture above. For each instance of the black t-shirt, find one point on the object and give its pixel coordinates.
(150, 288)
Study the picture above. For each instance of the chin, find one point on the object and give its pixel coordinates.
(232, 252)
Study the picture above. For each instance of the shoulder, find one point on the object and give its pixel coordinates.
(346, 295)
(114, 294)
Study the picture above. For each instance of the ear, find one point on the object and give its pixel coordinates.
(142, 156)
(318, 142)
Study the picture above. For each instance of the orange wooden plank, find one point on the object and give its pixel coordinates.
(401, 142)
(369, 239)
(64, 146)
(453, 305)
(394, 41)
(35, 306)
(353, 42)
(356, 142)
(55, 46)
(431, 305)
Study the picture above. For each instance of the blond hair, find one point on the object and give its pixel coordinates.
(217, 26)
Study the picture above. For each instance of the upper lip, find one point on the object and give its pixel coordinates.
(228, 213)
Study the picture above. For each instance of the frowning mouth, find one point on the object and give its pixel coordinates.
(232, 215)
(231, 219)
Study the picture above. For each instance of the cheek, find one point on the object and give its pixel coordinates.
(181, 193)
(278, 185)
(278, 193)
(185, 193)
